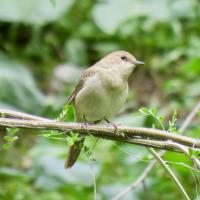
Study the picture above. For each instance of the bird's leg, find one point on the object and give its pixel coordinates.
(85, 122)
(114, 125)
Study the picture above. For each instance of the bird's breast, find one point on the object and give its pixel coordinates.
(100, 97)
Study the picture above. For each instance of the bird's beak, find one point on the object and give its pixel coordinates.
(137, 62)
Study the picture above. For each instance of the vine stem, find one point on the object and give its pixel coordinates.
(169, 171)
(149, 168)
(136, 135)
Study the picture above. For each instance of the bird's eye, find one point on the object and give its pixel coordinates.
(123, 57)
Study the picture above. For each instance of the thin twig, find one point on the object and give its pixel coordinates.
(166, 167)
(136, 182)
(135, 135)
(185, 150)
(190, 117)
(149, 168)
(93, 180)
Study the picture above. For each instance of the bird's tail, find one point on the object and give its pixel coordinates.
(74, 152)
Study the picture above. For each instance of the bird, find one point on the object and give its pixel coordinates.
(100, 93)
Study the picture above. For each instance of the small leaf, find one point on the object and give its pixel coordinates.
(51, 133)
(194, 152)
(174, 116)
(137, 114)
(74, 136)
(12, 131)
(6, 146)
(153, 111)
(67, 113)
(2, 115)
(10, 138)
(161, 118)
(190, 151)
(144, 111)
(70, 141)
(46, 135)
(172, 123)
(33, 12)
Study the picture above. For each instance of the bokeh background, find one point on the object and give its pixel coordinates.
(46, 44)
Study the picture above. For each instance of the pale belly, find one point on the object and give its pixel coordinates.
(96, 102)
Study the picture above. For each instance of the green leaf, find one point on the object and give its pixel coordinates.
(172, 123)
(144, 111)
(69, 140)
(46, 134)
(191, 68)
(67, 114)
(153, 111)
(12, 131)
(10, 138)
(194, 152)
(6, 146)
(18, 92)
(2, 115)
(116, 13)
(10, 172)
(137, 114)
(149, 111)
(49, 134)
(161, 118)
(73, 135)
(198, 113)
(107, 22)
(190, 151)
(33, 12)
(174, 116)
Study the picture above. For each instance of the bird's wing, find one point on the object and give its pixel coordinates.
(87, 73)
(75, 149)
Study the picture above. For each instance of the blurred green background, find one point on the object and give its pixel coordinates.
(45, 45)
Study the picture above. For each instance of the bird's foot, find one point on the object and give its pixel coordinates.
(114, 125)
(85, 123)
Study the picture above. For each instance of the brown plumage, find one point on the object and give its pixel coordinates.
(100, 92)
(75, 149)
(79, 85)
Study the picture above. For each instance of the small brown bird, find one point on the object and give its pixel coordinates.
(100, 93)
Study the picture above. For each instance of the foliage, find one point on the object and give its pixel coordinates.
(36, 37)
(10, 137)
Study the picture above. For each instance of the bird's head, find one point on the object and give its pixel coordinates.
(121, 61)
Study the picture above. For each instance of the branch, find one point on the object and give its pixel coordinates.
(148, 169)
(20, 115)
(166, 167)
(135, 135)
